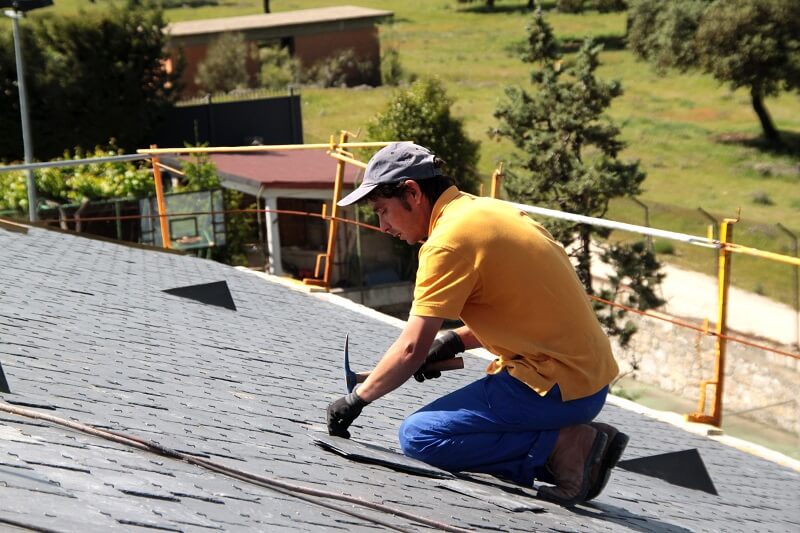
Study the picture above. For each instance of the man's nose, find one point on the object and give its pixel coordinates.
(385, 227)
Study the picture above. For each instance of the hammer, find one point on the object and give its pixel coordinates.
(352, 378)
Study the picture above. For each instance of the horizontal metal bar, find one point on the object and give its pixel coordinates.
(259, 148)
(746, 250)
(681, 237)
(74, 162)
(342, 157)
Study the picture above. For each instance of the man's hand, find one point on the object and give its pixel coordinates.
(442, 348)
(342, 412)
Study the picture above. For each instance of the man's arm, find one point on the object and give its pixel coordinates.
(402, 359)
(468, 338)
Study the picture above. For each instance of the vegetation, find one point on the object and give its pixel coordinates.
(89, 78)
(422, 114)
(340, 69)
(278, 67)
(570, 161)
(392, 72)
(754, 44)
(75, 184)
(225, 66)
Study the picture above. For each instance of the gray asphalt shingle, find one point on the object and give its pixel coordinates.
(86, 334)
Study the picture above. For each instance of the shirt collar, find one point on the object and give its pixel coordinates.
(446, 197)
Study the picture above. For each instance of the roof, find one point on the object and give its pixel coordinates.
(87, 334)
(288, 21)
(284, 169)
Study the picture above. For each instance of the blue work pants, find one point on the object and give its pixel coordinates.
(496, 425)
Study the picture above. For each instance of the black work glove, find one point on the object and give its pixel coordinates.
(342, 412)
(445, 347)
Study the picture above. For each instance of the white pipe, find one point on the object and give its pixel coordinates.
(682, 237)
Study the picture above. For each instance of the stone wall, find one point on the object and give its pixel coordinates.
(759, 385)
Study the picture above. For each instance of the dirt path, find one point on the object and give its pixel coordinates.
(694, 295)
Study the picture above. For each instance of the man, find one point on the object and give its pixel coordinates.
(514, 288)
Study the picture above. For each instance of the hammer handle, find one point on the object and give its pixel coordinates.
(455, 363)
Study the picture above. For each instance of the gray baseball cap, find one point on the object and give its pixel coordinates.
(392, 164)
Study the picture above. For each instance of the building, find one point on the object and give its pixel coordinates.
(311, 35)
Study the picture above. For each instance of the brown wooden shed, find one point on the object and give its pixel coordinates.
(312, 35)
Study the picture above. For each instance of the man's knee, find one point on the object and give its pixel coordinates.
(412, 441)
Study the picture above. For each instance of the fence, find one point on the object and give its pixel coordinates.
(249, 119)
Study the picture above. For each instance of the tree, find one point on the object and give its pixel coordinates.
(421, 113)
(225, 66)
(753, 44)
(91, 77)
(570, 162)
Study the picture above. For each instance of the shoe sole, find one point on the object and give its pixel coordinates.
(610, 460)
(595, 456)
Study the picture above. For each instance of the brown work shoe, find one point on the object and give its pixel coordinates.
(578, 449)
(611, 454)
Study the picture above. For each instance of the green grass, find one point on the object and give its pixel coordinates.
(696, 140)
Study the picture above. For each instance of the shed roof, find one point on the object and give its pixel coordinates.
(279, 169)
(87, 334)
(288, 21)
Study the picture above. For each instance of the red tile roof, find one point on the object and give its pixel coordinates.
(303, 169)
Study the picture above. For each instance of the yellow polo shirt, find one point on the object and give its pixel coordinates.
(505, 277)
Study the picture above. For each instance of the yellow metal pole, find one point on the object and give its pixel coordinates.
(497, 175)
(337, 191)
(259, 148)
(162, 206)
(723, 285)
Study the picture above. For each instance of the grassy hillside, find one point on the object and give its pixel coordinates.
(696, 140)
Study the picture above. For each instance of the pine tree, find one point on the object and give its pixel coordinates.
(569, 160)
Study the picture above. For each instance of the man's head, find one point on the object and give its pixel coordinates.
(402, 182)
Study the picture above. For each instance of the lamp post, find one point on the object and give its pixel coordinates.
(18, 7)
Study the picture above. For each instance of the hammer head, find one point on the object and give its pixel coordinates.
(349, 375)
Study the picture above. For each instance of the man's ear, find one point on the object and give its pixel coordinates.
(412, 187)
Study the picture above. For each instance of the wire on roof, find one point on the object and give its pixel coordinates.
(290, 489)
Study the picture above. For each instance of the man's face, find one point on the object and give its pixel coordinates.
(404, 217)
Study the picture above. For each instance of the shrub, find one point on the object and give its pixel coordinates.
(225, 66)
(172, 4)
(761, 198)
(278, 67)
(664, 247)
(92, 181)
(392, 72)
(570, 6)
(610, 6)
(340, 69)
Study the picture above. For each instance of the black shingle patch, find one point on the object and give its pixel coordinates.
(3, 383)
(684, 468)
(141, 494)
(363, 452)
(216, 293)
